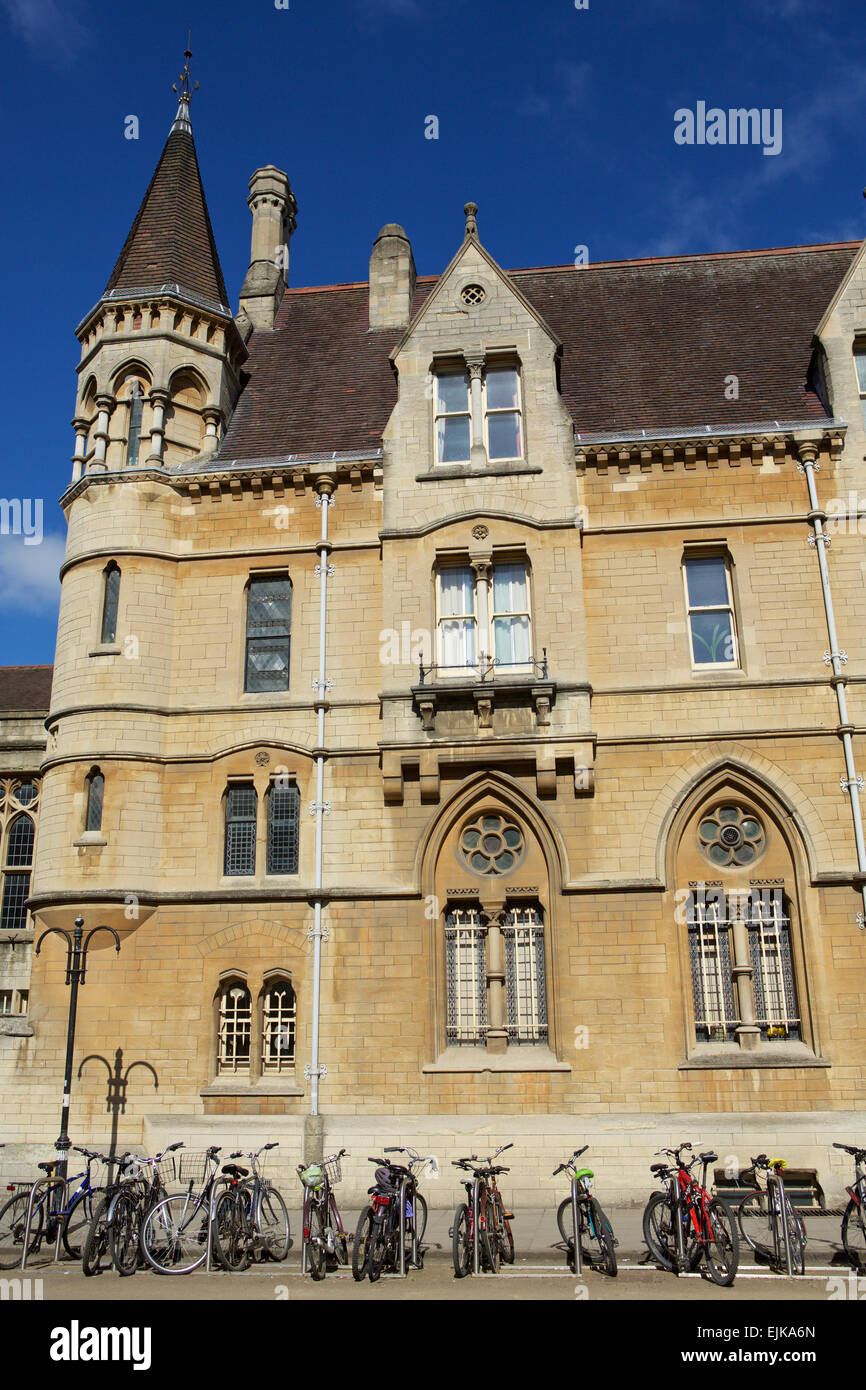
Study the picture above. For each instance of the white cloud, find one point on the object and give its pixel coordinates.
(29, 579)
(49, 27)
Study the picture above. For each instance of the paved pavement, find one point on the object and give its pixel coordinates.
(539, 1273)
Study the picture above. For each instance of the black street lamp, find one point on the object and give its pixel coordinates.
(76, 964)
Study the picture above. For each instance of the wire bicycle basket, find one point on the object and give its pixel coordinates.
(334, 1169)
(192, 1165)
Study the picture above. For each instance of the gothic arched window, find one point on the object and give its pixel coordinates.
(135, 396)
(278, 1026)
(110, 600)
(95, 797)
(17, 860)
(234, 1028)
(284, 814)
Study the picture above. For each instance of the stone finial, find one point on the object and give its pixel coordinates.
(274, 211)
(471, 211)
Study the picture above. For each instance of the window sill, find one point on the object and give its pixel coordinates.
(524, 1057)
(105, 649)
(723, 1056)
(91, 839)
(441, 471)
(251, 1088)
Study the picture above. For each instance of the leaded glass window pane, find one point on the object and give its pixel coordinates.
(466, 977)
(111, 597)
(269, 623)
(19, 844)
(95, 796)
(525, 988)
(13, 913)
(240, 847)
(284, 812)
(776, 1008)
(710, 962)
(135, 410)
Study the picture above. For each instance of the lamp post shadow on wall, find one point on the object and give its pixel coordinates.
(118, 1081)
(77, 945)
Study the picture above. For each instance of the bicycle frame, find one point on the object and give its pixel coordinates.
(325, 1199)
(56, 1210)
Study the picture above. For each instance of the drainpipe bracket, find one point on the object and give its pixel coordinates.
(329, 683)
(326, 808)
(330, 571)
(861, 921)
(310, 1072)
(842, 655)
(812, 538)
(847, 782)
(815, 467)
(323, 933)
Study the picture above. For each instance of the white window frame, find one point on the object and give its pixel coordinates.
(18, 1001)
(230, 1024)
(479, 428)
(859, 354)
(483, 615)
(451, 369)
(273, 1061)
(503, 410)
(716, 554)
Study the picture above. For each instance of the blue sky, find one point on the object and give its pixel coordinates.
(558, 122)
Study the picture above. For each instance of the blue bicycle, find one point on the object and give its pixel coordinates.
(57, 1205)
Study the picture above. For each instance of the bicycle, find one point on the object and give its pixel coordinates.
(768, 1222)
(582, 1222)
(128, 1209)
(252, 1219)
(325, 1243)
(685, 1225)
(96, 1242)
(481, 1235)
(51, 1214)
(854, 1216)
(177, 1235)
(388, 1226)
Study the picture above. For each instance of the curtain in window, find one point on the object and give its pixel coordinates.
(511, 615)
(457, 616)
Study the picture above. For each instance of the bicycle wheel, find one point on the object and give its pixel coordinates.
(565, 1220)
(317, 1254)
(272, 1224)
(490, 1236)
(755, 1225)
(381, 1244)
(96, 1241)
(77, 1220)
(174, 1235)
(461, 1242)
(599, 1232)
(722, 1246)
(793, 1230)
(853, 1235)
(361, 1245)
(420, 1216)
(13, 1223)
(231, 1230)
(506, 1238)
(124, 1232)
(658, 1230)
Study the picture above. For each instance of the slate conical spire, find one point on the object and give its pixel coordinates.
(171, 240)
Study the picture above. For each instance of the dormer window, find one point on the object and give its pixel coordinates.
(478, 412)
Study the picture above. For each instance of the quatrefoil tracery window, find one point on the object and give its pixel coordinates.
(492, 844)
(473, 294)
(730, 835)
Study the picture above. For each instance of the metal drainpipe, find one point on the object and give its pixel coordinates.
(836, 659)
(320, 807)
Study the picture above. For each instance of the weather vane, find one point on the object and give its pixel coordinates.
(185, 90)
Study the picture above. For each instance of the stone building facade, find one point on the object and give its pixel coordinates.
(457, 640)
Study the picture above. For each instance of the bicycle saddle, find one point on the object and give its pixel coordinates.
(658, 1167)
(48, 1167)
(234, 1171)
(709, 1157)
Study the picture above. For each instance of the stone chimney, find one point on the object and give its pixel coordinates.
(392, 279)
(274, 211)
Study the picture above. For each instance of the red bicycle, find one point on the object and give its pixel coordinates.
(684, 1225)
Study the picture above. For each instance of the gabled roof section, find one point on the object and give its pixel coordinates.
(471, 245)
(856, 264)
(25, 688)
(646, 345)
(171, 240)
